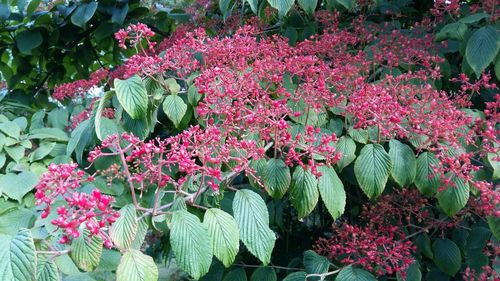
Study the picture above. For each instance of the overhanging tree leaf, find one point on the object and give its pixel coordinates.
(404, 163)
(18, 257)
(83, 13)
(28, 40)
(482, 48)
(132, 95)
(332, 191)
(190, 243)
(276, 177)
(224, 235)
(252, 217)
(304, 192)
(372, 168)
(136, 266)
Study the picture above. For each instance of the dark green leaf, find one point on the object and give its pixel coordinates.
(28, 40)
(447, 256)
(304, 192)
(132, 95)
(482, 48)
(276, 177)
(83, 13)
(372, 168)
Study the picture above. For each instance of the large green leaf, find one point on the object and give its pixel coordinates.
(482, 48)
(190, 243)
(454, 30)
(16, 186)
(11, 129)
(237, 274)
(296, 276)
(28, 40)
(132, 95)
(276, 177)
(308, 5)
(123, 231)
(347, 148)
(224, 235)
(454, 198)
(413, 273)
(253, 5)
(404, 163)
(426, 180)
(83, 13)
(252, 217)
(372, 168)
(86, 251)
(304, 193)
(264, 274)
(315, 264)
(175, 108)
(494, 225)
(283, 6)
(332, 191)
(47, 270)
(447, 256)
(354, 274)
(43, 150)
(225, 7)
(15, 152)
(136, 266)
(49, 133)
(98, 114)
(18, 257)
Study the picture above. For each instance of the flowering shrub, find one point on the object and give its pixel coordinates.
(347, 126)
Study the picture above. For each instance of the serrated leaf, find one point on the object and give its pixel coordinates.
(304, 192)
(404, 163)
(296, 276)
(190, 243)
(224, 235)
(252, 217)
(413, 273)
(18, 257)
(47, 270)
(482, 48)
(175, 108)
(264, 274)
(193, 96)
(454, 30)
(359, 135)
(83, 13)
(15, 186)
(136, 266)
(454, 198)
(351, 273)
(132, 95)
(308, 5)
(372, 168)
(237, 274)
(276, 177)
(142, 229)
(347, 147)
(447, 256)
(283, 6)
(86, 251)
(425, 179)
(124, 230)
(332, 191)
(423, 243)
(315, 264)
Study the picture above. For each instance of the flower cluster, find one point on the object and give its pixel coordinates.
(63, 182)
(79, 88)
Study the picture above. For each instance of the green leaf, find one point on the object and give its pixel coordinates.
(252, 217)
(425, 179)
(404, 163)
(173, 87)
(308, 5)
(304, 193)
(12, 221)
(123, 231)
(332, 191)
(175, 108)
(454, 198)
(474, 18)
(447, 256)
(142, 229)
(47, 270)
(86, 251)
(49, 133)
(132, 95)
(372, 169)
(454, 30)
(224, 7)
(494, 225)
(18, 257)
(354, 274)
(10, 128)
(28, 40)
(315, 264)
(136, 266)
(253, 5)
(190, 243)
(413, 273)
(495, 164)
(5, 11)
(296, 276)
(276, 177)
(482, 48)
(359, 135)
(83, 13)
(3, 158)
(193, 96)
(264, 274)
(283, 6)
(497, 67)
(423, 243)
(347, 147)
(348, 4)
(43, 150)
(237, 274)
(16, 186)
(98, 114)
(224, 235)
(15, 152)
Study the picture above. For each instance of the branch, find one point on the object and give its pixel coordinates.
(322, 276)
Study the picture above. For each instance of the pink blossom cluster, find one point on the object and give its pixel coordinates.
(62, 183)
(86, 113)
(79, 88)
(134, 33)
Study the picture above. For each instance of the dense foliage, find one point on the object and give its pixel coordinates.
(271, 140)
